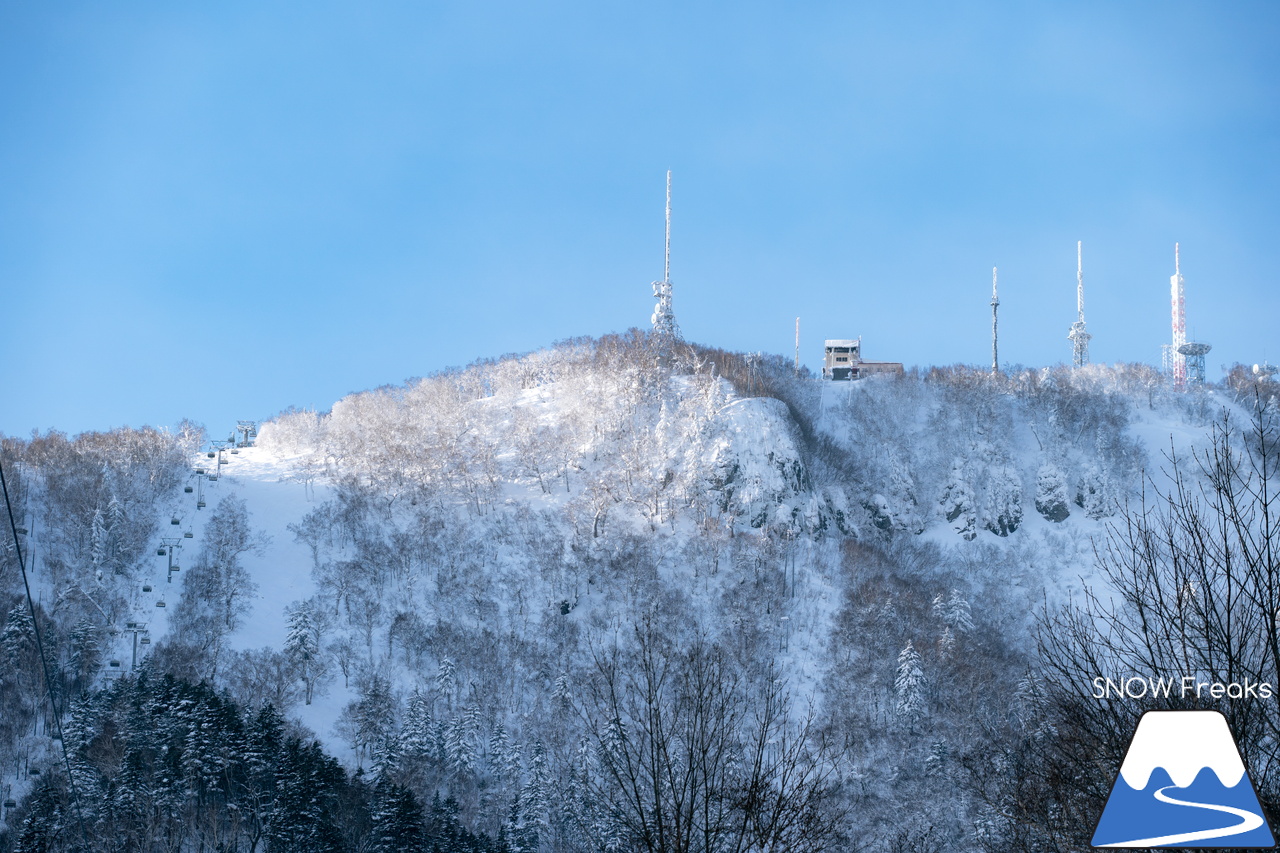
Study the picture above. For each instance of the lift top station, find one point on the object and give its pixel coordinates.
(842, 362)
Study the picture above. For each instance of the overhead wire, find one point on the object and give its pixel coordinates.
(44, 661)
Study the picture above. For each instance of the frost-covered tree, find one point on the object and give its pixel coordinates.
(415, 732)
(909, 687)
(896, 508)
(461, 740)
(1096, 495)
(954, 611)
(217, 591)
(446, 680)
(958, 503)
(18, 638)
(530, 810)
(1002, 510)
(936, 764)
(1051, 493)
(302, 645)
(370, 719)
(98, 539)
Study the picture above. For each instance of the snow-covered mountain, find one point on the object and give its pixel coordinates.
(433, 578)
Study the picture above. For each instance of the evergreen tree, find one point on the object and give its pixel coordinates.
(460, 740)
(446, 680)
(45, 822)
(534, 803)
(302, 645)
(908, 686)
(939, 755)
(398, 822)
(415, 733)
(954, 611)
(19, 635)
(84, 652)
(305, 813)
(499, 747)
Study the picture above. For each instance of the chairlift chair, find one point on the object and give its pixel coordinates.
(146, 587)
(10, 804)
(187, 489)
(146, 641)
(200, 504)
(212, 454)
(160, 552)
(115, 664)
(174, 521)
(188, 535)
(199, 470)
(159, 604)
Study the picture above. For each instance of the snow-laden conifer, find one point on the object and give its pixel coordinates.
(909, 685)
(302, 645)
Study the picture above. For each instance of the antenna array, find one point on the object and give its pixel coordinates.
(1077, 335)
(665, 330)
(1177, 359)
(995, 338)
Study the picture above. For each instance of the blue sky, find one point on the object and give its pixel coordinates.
(220, 212)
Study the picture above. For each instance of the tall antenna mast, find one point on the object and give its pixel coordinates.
(995, 338)
(666, 264)
(665, 331)
(1080, 279)
(1077, 335)
(797, 346)
(1177, 292)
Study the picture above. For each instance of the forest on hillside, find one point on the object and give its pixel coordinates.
(583, 601)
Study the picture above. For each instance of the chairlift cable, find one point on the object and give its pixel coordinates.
(44, 662)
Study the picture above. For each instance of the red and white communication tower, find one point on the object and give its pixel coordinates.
(1177, 365)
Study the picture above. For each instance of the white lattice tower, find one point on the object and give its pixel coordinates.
(665, 330)
(1177, 287)
(1077, 335)
(995, 337)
